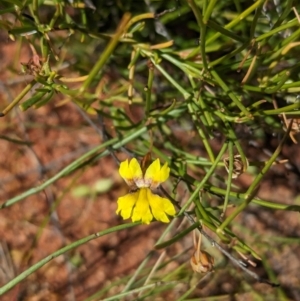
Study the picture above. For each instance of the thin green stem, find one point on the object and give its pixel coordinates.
(204, 180)
(230, 173)
(185, 94)
(61, 251)
(18, 98)
(251, 190)
(226, 32)
(115, 143)
(237, 20)
(177, 237)
(106, 53)
(231, 94)
(201, 132)
(272, 32)
(209, 10)
(202, 27)
(149, 91)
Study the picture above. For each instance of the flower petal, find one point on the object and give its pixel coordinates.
(141, 210)
(137, 173)
(135, 168)
(126, 173)
(164, 173)
(153, 170)
(160, 207)
(131, 172)
(155, 175)
(126, 204)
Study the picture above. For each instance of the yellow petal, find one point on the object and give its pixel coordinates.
(164, 172)
(126, 173)
(168, 207)
(160, 207)
(155, 175)
(126, 204)
(131, 172)
(153, 170)
(136, 172)
(141, 210)
(135, 168)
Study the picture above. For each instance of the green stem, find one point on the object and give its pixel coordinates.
(61, 251)
(271, 33)
(237, 20)
(201, 132)
(177, 237)
(107, 52)
(209, 10)
(202, 27)
(204, 180)
(18, 98)
(206, 109)
(74, 165)
(184, 93)
(230, 172)
(149, 90)
(233, 97)
(276, 206)
(226, 32)
(251, 190)
(34, 11)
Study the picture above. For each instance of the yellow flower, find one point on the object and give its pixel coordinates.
(141, 204)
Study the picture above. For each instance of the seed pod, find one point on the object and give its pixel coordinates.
(201, 261)
(238, 166)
